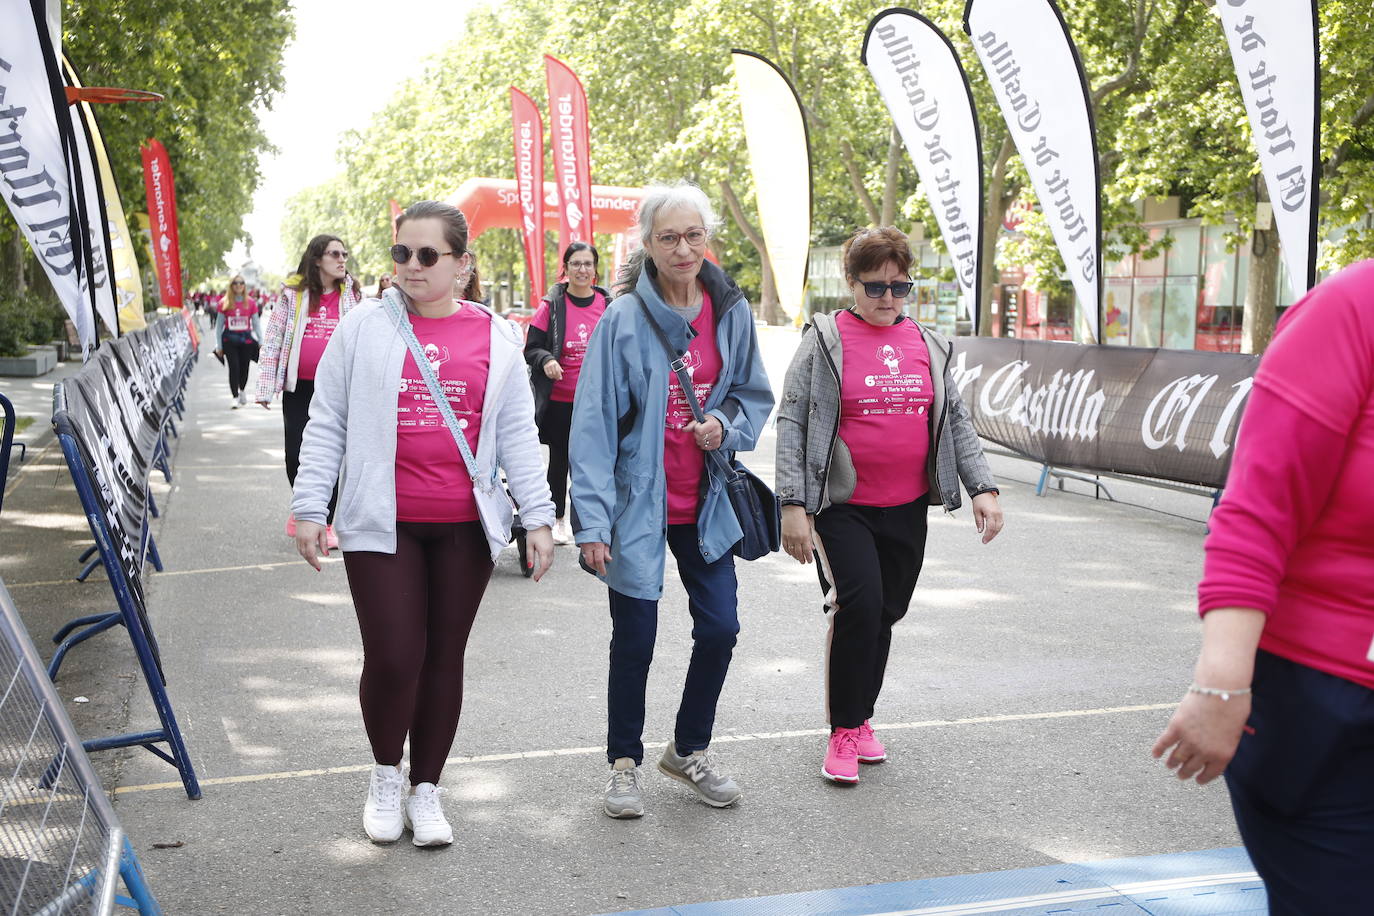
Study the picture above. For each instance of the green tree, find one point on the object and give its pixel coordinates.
(217, 62)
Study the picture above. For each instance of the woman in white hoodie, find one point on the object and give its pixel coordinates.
(421, 518)
(310, 307)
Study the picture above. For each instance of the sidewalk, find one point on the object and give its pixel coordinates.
(1024, 691)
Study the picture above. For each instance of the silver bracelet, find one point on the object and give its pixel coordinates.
(1217, 692)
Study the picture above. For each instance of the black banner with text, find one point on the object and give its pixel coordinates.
(1167, 414)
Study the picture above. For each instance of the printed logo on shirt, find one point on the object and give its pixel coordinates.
(434, 357)
(895, 391)
(679, 411)
(891, 357)
(575, 347)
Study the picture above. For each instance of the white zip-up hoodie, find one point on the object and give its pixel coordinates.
(351, 436)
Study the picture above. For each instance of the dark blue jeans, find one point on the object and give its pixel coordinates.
(634, 626)
(1302, 788)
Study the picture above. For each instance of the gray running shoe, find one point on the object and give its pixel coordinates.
(698, 771)
(624, 797)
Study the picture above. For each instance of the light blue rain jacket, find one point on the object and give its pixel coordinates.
(619, 495)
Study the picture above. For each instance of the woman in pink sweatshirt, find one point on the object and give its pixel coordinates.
(1287, 598)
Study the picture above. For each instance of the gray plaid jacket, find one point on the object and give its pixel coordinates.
(814, 468)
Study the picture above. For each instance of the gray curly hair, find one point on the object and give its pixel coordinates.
(657, 199)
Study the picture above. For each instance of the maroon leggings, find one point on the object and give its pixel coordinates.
(415, 609)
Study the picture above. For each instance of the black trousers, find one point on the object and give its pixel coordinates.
(554, 429)
(295, 413)
(872, 558)
(1302, 789)
(236, 358)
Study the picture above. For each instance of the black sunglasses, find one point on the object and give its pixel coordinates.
(900, 289)
(428, 256)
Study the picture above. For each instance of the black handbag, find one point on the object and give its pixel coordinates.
(756, 506)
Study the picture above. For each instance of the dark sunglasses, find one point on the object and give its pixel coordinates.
(337, 253)
(428, 256)
(900, 289)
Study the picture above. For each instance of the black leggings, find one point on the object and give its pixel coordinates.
(873, 556)
(295, 413)
(554, 428)
(415, 609)
(236, 358)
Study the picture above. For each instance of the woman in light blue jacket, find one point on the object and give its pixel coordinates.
(641, 484)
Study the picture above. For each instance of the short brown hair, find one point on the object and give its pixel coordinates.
(869, 249)
(455, 223)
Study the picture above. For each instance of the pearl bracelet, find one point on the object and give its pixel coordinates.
(1216, 692)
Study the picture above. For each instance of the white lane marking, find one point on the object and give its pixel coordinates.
(183, 572)
(601, 749)
(1093, 893)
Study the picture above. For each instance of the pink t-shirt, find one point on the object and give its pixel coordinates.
(239, 318)
(1292, 535)
(320, 323)
(432, 482)
(579, 323)
(683, 462)
(885, 400)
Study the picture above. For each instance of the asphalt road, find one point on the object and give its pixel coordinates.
(1024, 690)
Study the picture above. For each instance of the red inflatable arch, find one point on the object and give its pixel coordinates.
(494, 203)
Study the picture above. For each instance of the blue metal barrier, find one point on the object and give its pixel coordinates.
(6, 443)
(134, 620)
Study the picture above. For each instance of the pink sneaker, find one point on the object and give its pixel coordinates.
(291, 526)
(331, 540)
(871, 750)
(842, 756)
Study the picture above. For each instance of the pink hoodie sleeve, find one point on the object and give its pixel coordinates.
(1309, 390)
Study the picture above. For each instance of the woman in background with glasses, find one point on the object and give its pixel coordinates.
(641, 484)
(238, 333)
(555, 346)
(419, 529)
(871, 432)
(311, 304)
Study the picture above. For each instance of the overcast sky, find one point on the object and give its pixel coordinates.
(346, 60)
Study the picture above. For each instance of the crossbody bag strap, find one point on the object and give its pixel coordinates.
(679, 367)
(436, 392)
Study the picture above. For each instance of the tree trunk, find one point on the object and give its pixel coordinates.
(1261, 292)
(894, 157)
(994, 211)
(856, 182)
(769, 309)
(16, 259)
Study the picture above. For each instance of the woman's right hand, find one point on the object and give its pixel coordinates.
(595, 554)
(553, 370)
(797, 529)
(310, 541)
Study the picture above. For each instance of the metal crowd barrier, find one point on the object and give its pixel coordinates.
(62, 849)
(111, 441)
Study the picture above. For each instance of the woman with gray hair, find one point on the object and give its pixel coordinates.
(641, 484)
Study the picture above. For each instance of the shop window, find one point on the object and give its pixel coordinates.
(1147, 312)
(1180, 312)
(1183, 255)
(1116, 307)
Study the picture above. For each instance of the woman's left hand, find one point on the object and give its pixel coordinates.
(539, 550)
(987, 515)
(708, 435)
(1203, 735)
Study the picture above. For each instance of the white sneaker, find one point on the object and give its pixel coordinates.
(243, 398)
(382, 814)
(425, 816)
(562, 533)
